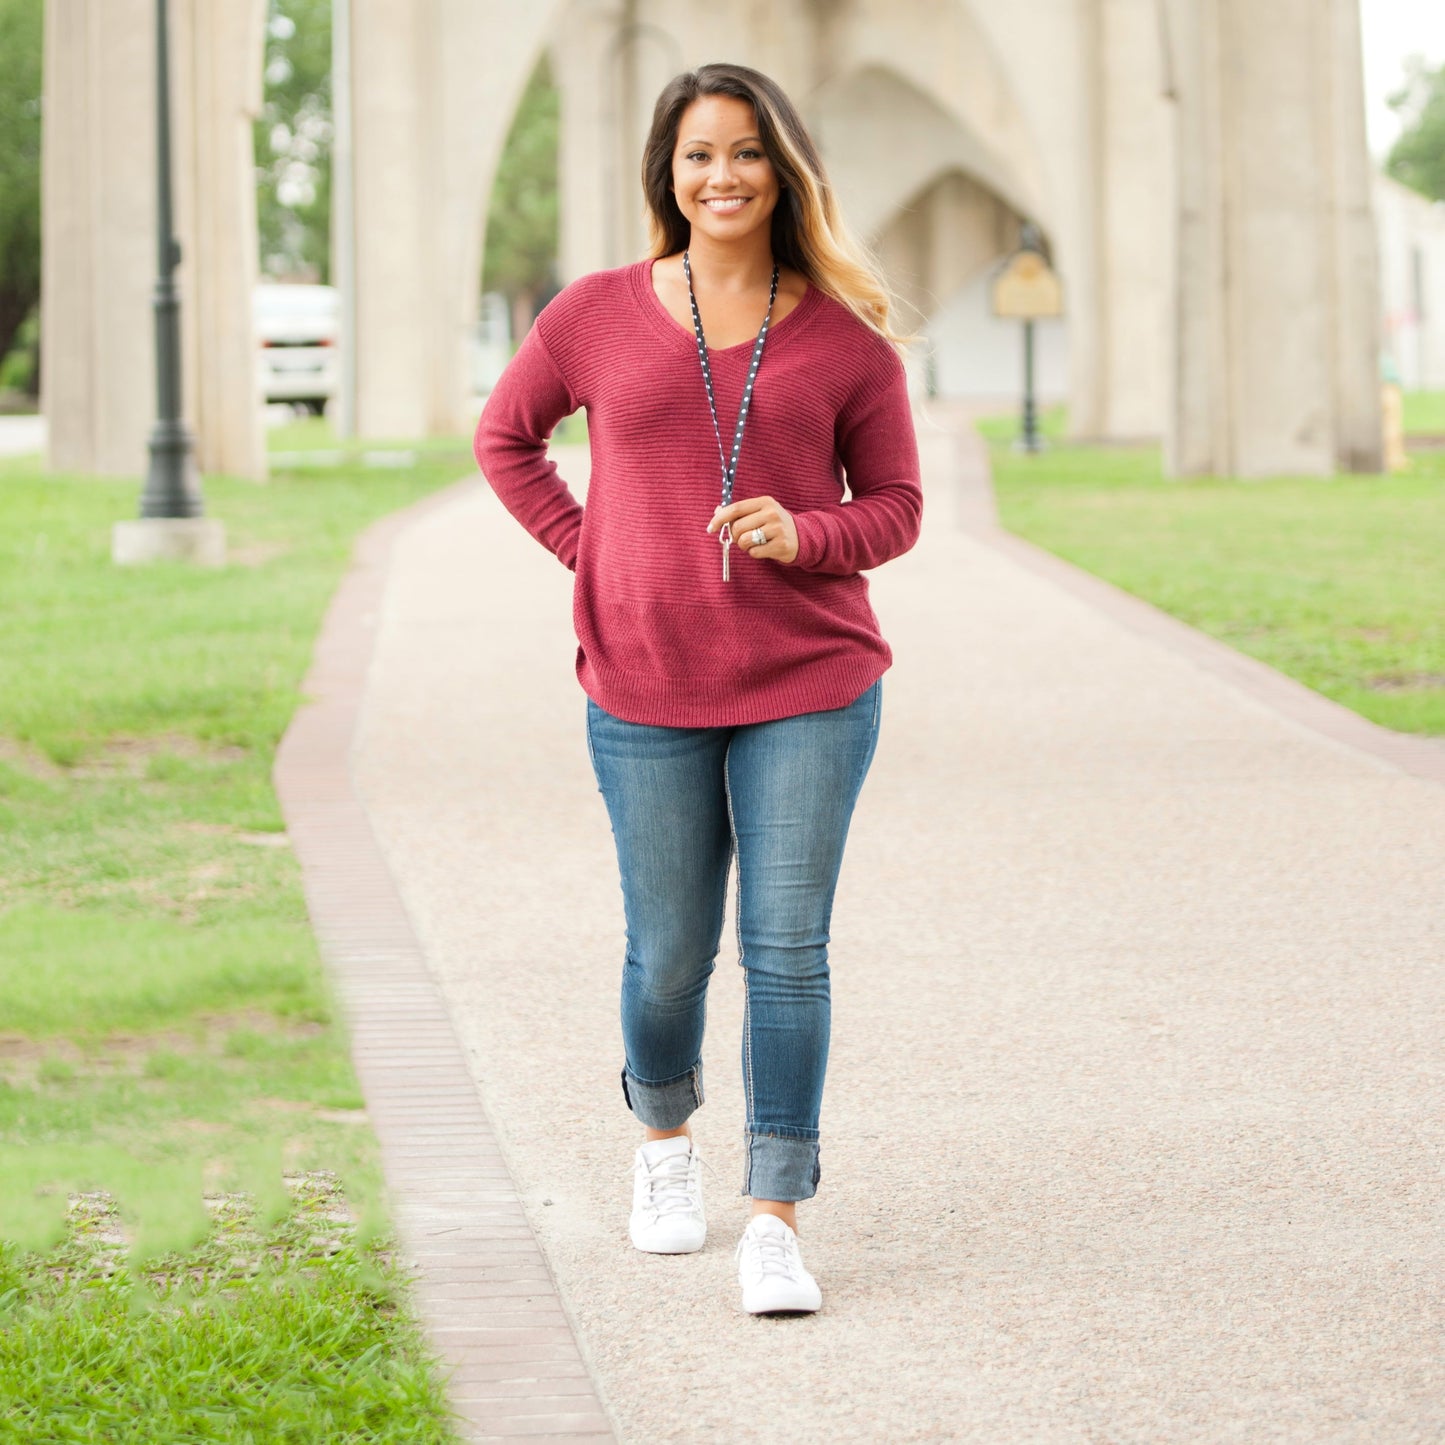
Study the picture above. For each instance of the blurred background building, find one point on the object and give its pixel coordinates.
(1233, 268)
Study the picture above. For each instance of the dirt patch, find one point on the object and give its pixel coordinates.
(28, 759)
(1406, 681)
(123, 757)
(22, 1059)
(320, 1223)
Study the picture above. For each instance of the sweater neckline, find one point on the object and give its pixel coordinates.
(686, 340)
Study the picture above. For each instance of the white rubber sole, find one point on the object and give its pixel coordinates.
(672, 1241)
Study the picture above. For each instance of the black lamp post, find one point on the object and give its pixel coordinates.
(172, 486)
(1029, 438)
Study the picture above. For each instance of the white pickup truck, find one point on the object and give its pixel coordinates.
(298, 328)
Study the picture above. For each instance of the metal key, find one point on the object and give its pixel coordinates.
(726, 538)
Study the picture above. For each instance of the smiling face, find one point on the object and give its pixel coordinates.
(725, 185)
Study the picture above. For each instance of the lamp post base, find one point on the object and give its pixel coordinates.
(201, 540)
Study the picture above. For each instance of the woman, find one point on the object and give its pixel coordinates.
(728, 650)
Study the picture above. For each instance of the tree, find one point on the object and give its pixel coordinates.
(20, 95)
(520, 254)
(293, 141)
(1417, 159)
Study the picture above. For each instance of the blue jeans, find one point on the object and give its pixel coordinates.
(683, 801)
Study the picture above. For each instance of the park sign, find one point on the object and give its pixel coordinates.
(1027, 288)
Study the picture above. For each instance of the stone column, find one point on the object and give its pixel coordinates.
(435, 84)
(1119, 379)
(99, 230)
(591, 192)
(219, 47)
(1275, 284)
(98, 220)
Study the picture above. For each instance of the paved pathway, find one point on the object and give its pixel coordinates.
(1134, 1125)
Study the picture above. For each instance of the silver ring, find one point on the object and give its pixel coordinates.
(758, 536)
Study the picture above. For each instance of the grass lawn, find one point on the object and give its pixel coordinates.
(192, 1244)
(1338, 582)
(1425, 413)
(316, 434)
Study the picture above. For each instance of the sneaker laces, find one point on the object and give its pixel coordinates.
(670, 1183)
(770, 1254)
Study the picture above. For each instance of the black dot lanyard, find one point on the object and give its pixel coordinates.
(729, 468)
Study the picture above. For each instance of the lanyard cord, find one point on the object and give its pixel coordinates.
(729, 468)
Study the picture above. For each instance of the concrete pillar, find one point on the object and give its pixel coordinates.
(1275, 284)
(99, 230)
(220, 48)
(589, 180)
(434, 86)
(1121, 361)
(98, 209)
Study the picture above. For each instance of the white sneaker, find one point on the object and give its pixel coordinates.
(770, 1270)
(667, 1215)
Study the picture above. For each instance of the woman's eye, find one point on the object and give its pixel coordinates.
(693, 155)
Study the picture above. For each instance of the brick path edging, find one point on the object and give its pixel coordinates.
(1422, 757)
(482, 1287)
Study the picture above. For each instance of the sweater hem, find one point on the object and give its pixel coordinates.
(708, 702)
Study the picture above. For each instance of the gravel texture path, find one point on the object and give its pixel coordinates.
(1134, 1120)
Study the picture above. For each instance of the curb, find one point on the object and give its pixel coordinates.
(481, 1285)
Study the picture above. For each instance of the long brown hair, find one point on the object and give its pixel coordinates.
(808, 231)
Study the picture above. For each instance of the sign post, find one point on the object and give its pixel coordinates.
(1028, 289)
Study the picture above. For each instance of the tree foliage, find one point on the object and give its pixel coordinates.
(520, 254)
(1417, 159)
(293, 142)
(20, 96)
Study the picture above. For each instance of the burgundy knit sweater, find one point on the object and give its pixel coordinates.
(662, 638)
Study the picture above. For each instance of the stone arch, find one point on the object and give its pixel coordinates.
(941, 249)
(440, 80)
(941, 205)
(932, 60)
(885, 139)
(1194, 257)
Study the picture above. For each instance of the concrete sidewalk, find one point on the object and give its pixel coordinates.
(1134, 1118)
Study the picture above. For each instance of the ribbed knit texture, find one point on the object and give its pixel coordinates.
(662, 638)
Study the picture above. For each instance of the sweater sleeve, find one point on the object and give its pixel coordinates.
(531, 396)
(879, 451)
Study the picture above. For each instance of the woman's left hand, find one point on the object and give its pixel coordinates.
(763, 514)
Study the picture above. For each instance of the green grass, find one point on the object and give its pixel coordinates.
(165, 1027)
(316, 434)
(288, 1327)
(1425, 413)
(1337, 582)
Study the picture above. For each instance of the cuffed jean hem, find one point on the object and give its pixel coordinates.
(785, 1170)
(667, 1105)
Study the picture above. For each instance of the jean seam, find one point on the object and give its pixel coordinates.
(861, 774)
(747, 998)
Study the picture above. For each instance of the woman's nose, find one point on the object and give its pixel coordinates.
(722, 171)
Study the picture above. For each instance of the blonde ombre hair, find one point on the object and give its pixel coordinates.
(808, 231)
